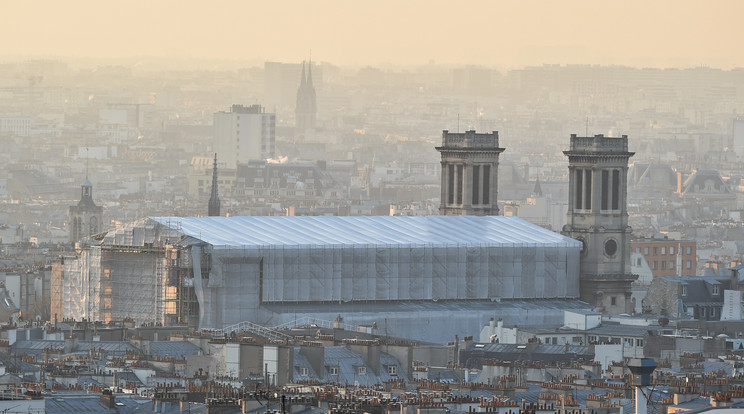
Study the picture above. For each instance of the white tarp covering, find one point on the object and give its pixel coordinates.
(258, 261)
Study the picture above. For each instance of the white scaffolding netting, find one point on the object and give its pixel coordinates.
(265, 260)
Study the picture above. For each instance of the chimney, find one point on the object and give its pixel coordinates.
(108, 399)
(734, 279)
(338, 323)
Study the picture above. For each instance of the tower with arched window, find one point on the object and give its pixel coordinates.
(598, 217)
(85, 217)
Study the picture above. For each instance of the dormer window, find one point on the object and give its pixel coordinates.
(716, 290)
(684, 290)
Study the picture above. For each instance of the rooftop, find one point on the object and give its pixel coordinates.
(255, 231)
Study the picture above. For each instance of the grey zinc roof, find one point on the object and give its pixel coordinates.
(622, 330)
(255, 231)
(77, 403)
(301, 361)
(173, 349)
(36, 347)
(540, 349)
(348, 363)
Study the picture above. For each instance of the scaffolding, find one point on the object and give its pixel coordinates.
(179, 305)
(129, 284)
(76, 290)
(122, 278)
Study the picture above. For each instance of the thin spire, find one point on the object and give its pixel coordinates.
(214, 198)
(302, 78)
(537, 190)
(310, 74)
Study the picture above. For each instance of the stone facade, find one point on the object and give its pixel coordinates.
(470, 163)
(598, 217)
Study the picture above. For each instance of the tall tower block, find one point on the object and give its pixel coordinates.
(470, 164)
(598, 217)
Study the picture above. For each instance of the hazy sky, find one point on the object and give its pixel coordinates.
(659, 33)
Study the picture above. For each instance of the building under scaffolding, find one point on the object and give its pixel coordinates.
(400, 272)
(115, 278)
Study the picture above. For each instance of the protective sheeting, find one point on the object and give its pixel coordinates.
(80, 285)
(257, 261)
(255, 231)
(436, 322)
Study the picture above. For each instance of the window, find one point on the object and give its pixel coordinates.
(361, 370)
(333, 370)
(663, 265)
(689, 264)
(450, 184)
(486, 184)
(702, 312)
(613, 300)
(663, 250)
(655, 265)
(689, 250)
(638, 342)
(476, 184)
(459, 184)
(716, 289)
(303, 371)
(656, 250)
(392, 370)
(638, 249)
(583, 189)
(615, 190)
(671, 264)
(684, 290)
(712, 312)
(671, 250)
(605, 189)
(645, 250)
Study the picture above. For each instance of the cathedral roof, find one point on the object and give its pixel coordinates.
(386, 231)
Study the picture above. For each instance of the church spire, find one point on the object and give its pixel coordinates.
(214, 199)
(310, 75)
(302, 78)
(306, 108)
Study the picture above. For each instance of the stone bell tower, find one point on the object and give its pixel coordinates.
(85, 217)
(598, 217)
(470, 164)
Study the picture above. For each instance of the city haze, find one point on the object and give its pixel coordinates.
(500, 34)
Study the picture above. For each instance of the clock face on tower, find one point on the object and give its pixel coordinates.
(610, 247)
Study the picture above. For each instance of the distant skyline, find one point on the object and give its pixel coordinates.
(505, 34)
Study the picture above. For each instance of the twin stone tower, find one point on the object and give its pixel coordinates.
(597, 204)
